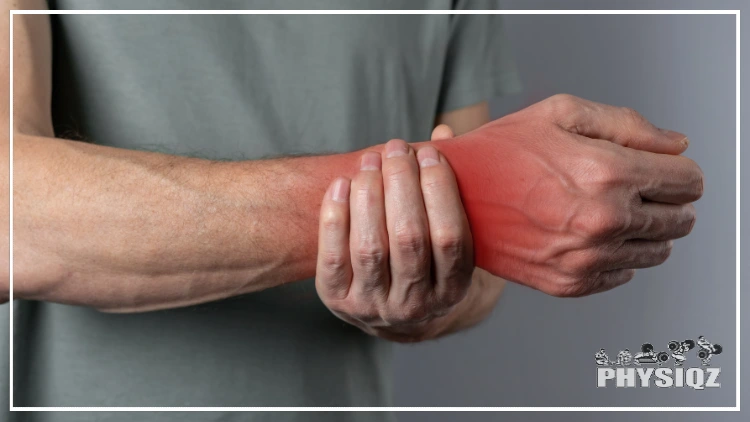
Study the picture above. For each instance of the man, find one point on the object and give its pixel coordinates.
(567, 197)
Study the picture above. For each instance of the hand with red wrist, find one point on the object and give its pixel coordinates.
(570, 196)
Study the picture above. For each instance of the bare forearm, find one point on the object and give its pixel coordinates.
(127, 231)
(124, 230)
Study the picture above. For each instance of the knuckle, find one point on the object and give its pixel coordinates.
(365, 314)
(583, 286)
(603, 171)
(336, 306)
(437, 180)
(356, 306)
(599, 170)
(370, 254)
(333, 261)
(632, 116)
(614, 279)
(367, 189)
(417, 312)
(602, 221)
(449, 241)
(569, 287)
(457, 265)
(595, 283)
(563, 99)
(409, 313)
(664, 251)
(331, 219)
(628, 275)
(684, 224)
(397, 171)
(582, 263)
(411, 241)
(694, 179)
(563, 105)
(560, 291)
(343, 306)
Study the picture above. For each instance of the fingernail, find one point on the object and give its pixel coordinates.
(676, 136)
(428, 157)
(370, 161)
(340, 190)
(395, 148)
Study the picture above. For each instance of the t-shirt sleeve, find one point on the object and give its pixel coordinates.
(478, 63)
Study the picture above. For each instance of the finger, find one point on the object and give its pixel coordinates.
(333, 274)
(368, 238)
(450, 235)
(640, 254)
(623, 126)
(441, 131)
(666, 178)
(407, 224)
(608, 280)
(656, 221)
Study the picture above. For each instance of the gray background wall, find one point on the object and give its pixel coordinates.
(679, 71)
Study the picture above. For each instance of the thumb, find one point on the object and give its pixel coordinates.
(441, 131)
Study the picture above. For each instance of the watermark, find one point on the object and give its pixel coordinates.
(648, 366)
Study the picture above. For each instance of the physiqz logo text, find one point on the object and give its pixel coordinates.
(652, 368)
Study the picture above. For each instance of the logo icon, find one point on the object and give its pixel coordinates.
(648, 355)
(707, 350)
(679, 349)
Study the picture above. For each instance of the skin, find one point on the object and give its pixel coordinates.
(566, 196)
(80, 208)
(568, 206)
(387, 197)
(590, 192)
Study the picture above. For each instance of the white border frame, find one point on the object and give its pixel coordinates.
(388, 12)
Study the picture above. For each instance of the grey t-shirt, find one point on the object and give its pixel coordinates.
(240, 87)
